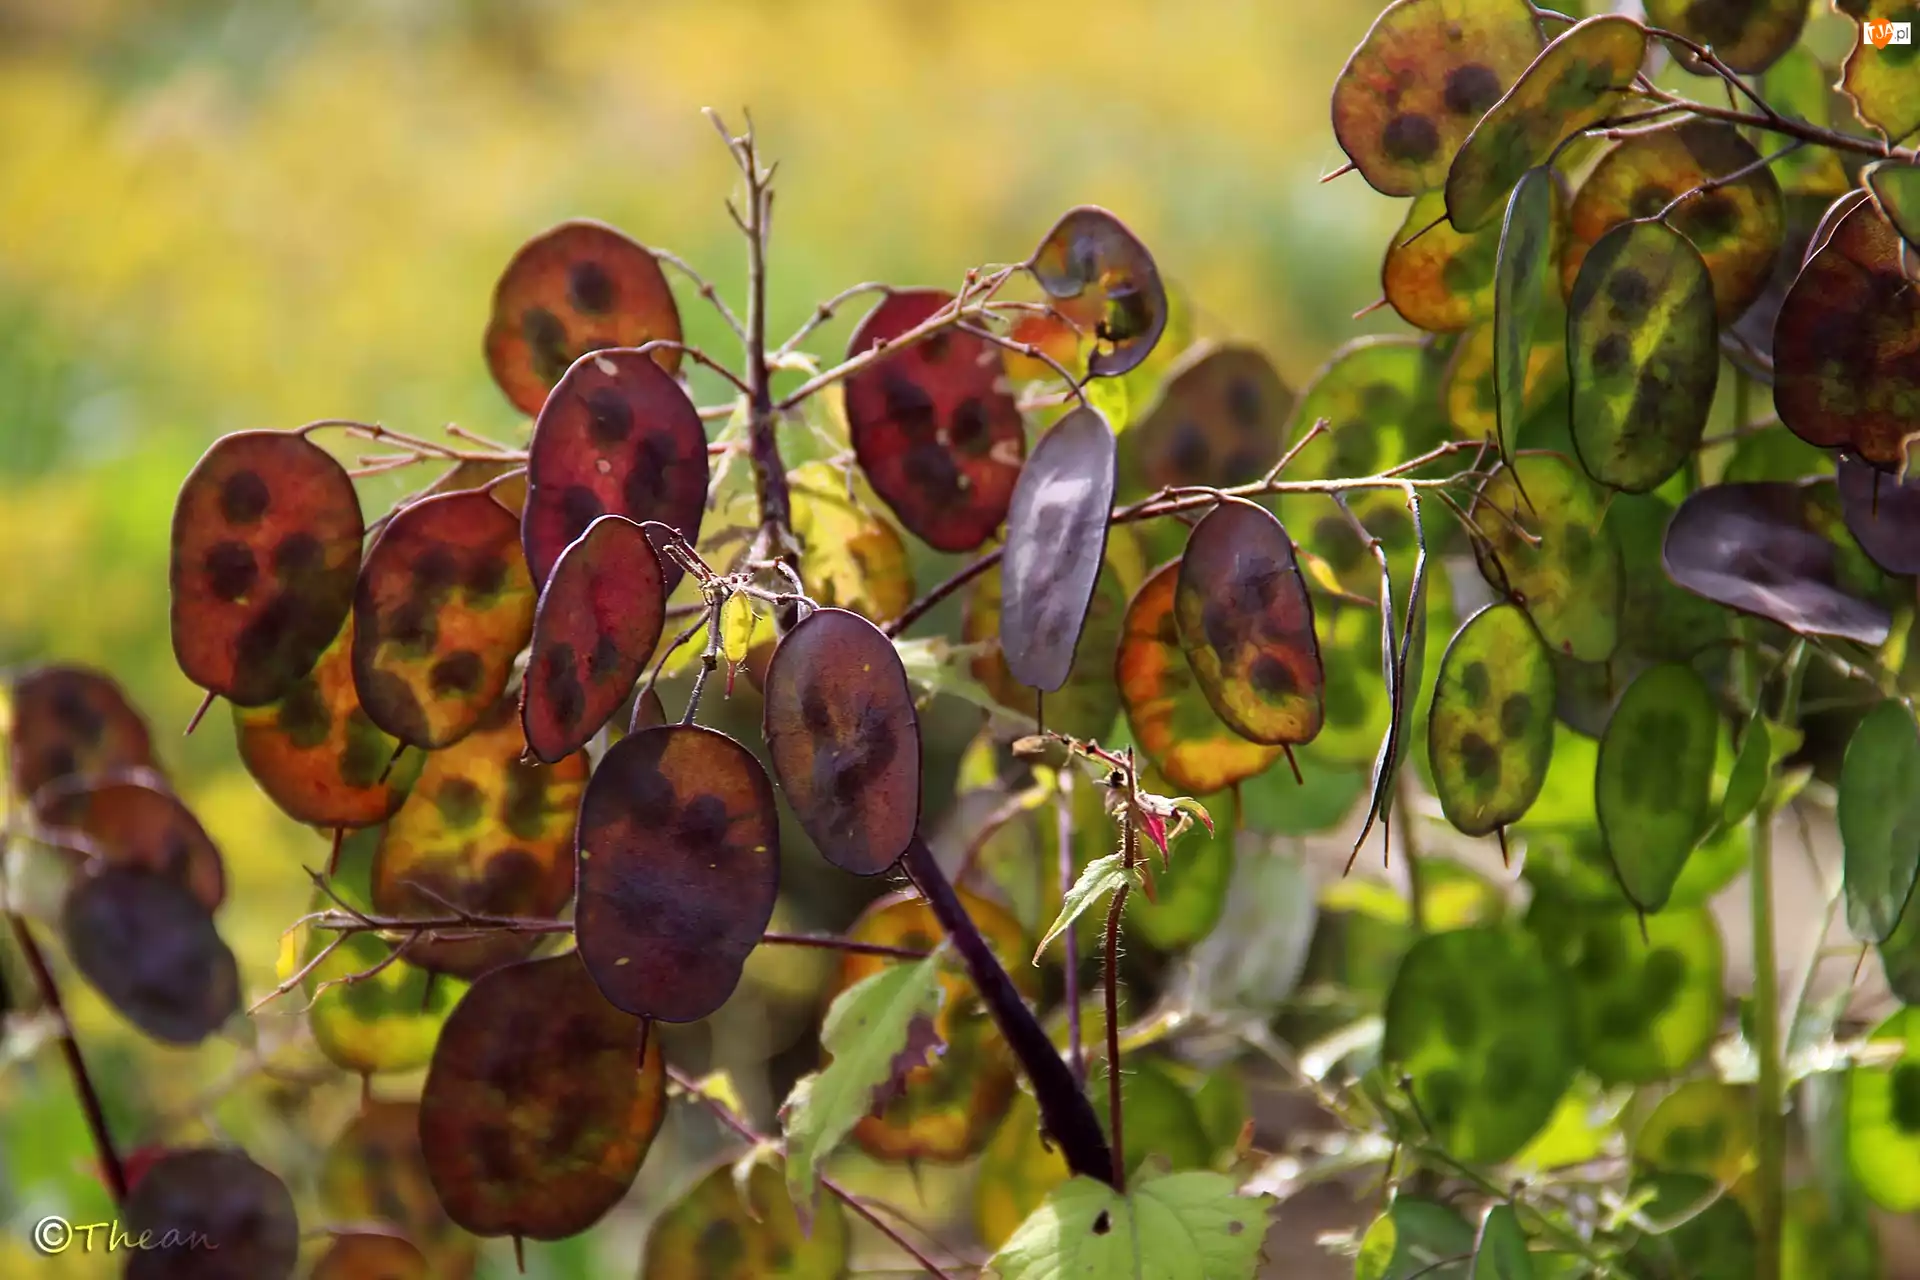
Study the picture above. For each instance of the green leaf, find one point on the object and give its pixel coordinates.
(1575, 82)
(1883, 1118)
(1897, 188)
(1182, 1226)
(1482, 1024)
(1647, 995)
(1748, 781)
(1526, 237)
(1643, 355)
(1101, 877)
(1377, 1248)
(1879, 819)
(1490, 727)
(1431, 1241)
(1883, 83)
(1111, 399)
(1654, 779)
(867, 1025)
(1501, 1251)
(1568, 576)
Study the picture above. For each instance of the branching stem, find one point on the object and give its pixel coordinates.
(1064, 1110)
(726, 1116)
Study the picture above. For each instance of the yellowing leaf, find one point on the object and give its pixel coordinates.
(737, 620)
(1182, 1226)
(866, 1026)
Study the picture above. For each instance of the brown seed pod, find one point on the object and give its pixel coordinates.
(443, 607)
(679, 867)
(845, 740)
(533, 1120)
(266, 545)
(574, 288)
(938, 436)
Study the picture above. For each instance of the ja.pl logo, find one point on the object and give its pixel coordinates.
(1880, 33)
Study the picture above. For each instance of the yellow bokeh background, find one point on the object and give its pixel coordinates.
(254, 213)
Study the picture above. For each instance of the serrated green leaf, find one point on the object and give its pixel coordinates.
(1101, 877)
(866, 1026)
(1182, 1226)
(1501, 1251)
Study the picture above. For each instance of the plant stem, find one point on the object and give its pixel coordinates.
(726, 1116)
(1169, 502)
(1769, 1092)
(1789, 127)
(1115, 1116)
(1064, 831)
(111, 1169)
(1129, 843)
(1064, 1110)
(1410, 850)
(763, 451)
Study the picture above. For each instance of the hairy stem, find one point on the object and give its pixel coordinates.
(1064, 831)
(111, 1169)
(1129, 843)
(1064, 1110)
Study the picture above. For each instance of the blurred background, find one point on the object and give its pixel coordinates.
(227, 214)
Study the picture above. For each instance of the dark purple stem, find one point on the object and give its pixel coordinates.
(1064, 1110)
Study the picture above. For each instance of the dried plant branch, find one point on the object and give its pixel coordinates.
(960, 310)
(726, 1116)
(111, 1169)
(826, 311)
(1173, 501)
(705, 288)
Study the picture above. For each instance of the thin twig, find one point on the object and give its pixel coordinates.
(954, 313)
(698, 356)
(826, 311)
(706, 289)
(1790, 127)
(1727, 179)
(726, 1116)
(111, 1168)
(1188, 498)
(1032, 352)
(1713, 61)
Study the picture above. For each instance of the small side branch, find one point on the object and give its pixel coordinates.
(726, 1116)
(707, 290)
